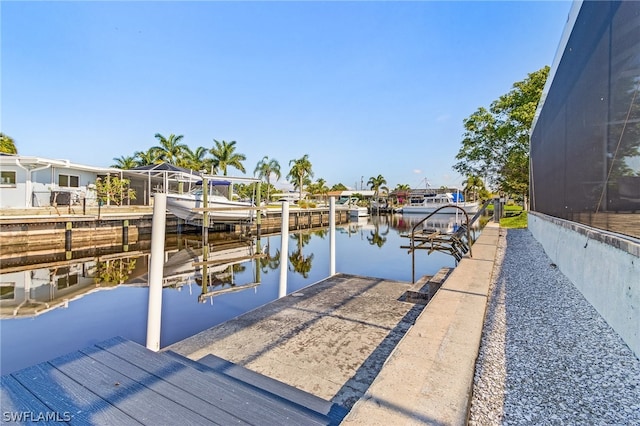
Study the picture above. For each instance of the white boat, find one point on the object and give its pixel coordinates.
(354, 209)
(430, 203)
(188, 206)
(358, 211)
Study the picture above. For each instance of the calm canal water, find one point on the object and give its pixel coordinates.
(50, 310)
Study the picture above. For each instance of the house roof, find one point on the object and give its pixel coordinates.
(38, 162)
(165, 167)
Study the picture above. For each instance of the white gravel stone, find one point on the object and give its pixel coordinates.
(547, 356)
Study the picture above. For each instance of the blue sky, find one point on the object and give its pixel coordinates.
(363, 88)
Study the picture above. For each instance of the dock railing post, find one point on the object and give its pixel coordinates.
(284, 249)
(156, 265)
(332, 236)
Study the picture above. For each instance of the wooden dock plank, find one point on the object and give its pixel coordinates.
(297, 396)
(129, 396)
(232, 395)
(191, 401)
(16, 400)
(63, 395)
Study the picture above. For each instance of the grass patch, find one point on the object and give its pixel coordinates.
(514, 222)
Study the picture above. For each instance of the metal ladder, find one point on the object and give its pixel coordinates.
(456, 243)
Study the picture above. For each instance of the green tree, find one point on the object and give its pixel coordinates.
(113, 189)
(194, 160)
(146, 158)
(496, 140)
(265, 168)
(124, 162)
(300, 172)
(224, 156)
(7, 144)
(339, 187)
(170, 149)
(319, 187)
(376, 183)
(474, 186)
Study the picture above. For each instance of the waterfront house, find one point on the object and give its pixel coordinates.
(41, 182)
(27, 182)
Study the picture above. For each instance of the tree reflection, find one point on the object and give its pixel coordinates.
(114, 272)
(376, 237)
(300, 263)
(269, 261)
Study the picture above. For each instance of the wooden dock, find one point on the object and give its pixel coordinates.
(118, 382)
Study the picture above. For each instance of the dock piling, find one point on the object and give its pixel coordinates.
(332, 236)
(284, 249)
(156, 265)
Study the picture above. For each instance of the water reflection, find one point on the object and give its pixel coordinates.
(375, 229)
(301, 263)
(107, 295)
(34, 289)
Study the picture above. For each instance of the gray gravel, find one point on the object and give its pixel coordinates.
(547, 357)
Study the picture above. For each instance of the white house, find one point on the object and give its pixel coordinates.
(40, 182)
(37, 182)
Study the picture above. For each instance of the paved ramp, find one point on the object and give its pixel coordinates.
(330, 339)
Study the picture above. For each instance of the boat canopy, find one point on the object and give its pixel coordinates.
(215, 183)
(457, 197)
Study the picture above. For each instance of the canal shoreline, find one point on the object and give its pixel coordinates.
(339, 339)
(46, 236)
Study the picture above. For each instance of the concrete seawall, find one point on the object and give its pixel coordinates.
(429, 376)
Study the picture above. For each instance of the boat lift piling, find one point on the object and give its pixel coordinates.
(205, 235)
(156, 266)
(284, 249)
(332, 236)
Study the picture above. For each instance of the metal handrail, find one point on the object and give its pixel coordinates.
(467, 225)
(413, 232)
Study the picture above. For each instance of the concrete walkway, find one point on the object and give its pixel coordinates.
(429, 377)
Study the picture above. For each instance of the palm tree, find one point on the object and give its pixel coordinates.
(401, 191)
(125, 162)
(7, 144)
(375, 183)
(145, 158)
(319, 187)
(170, 149)
(300, 170)
(473, 185)
(265, 168)
(194, 160)
(224, 156)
